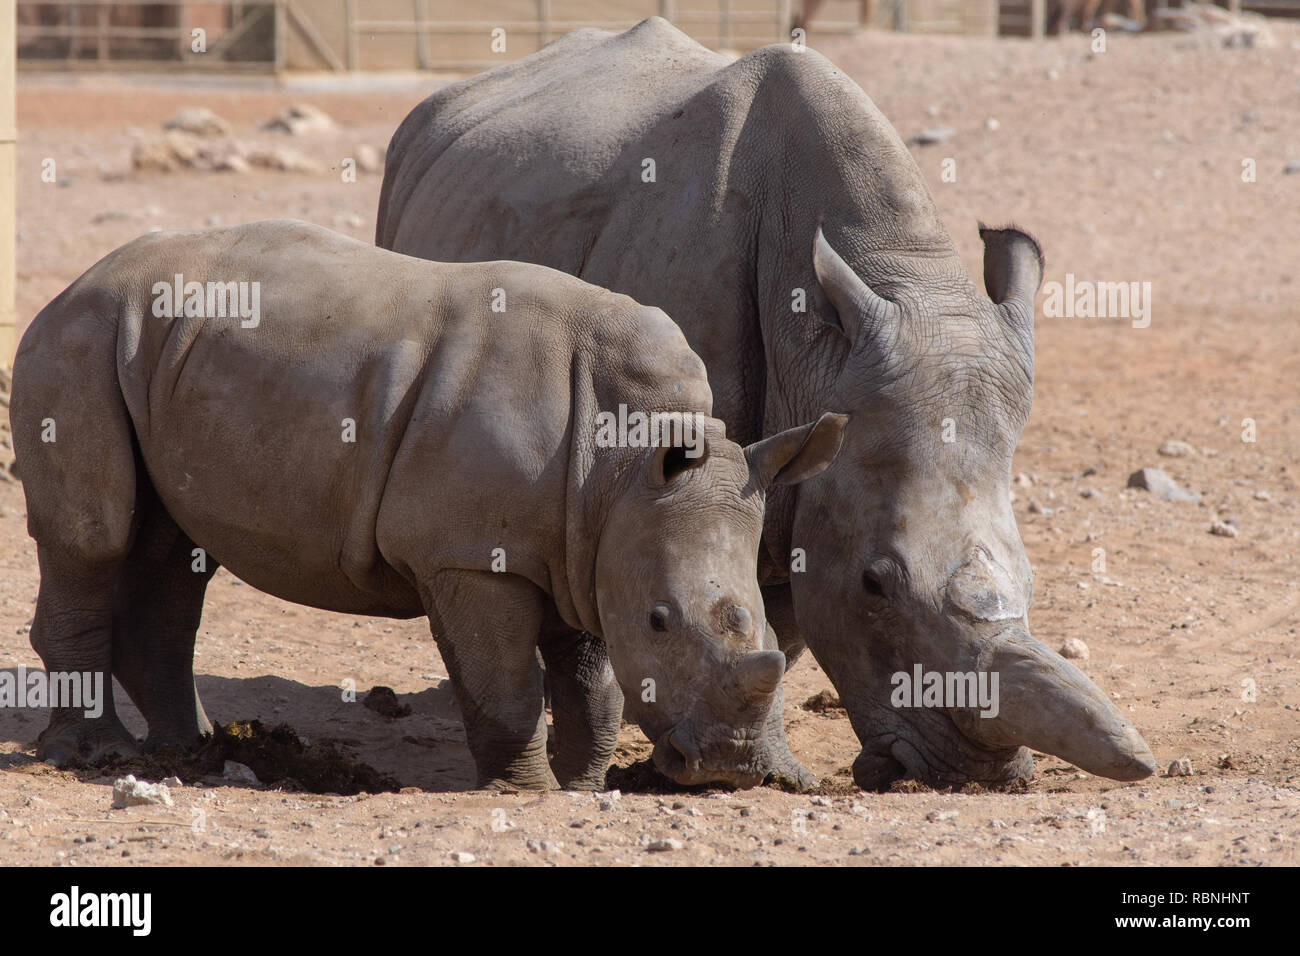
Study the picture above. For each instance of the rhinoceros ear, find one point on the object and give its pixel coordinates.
(1013, 270)
(670, 461)
(855, 305)
(797, 454)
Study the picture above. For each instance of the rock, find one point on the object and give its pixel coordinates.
(1291, 168)
(1022, 481)
(383, 701)
(938, 134)
(172, 782)
(1176, 449)
(936, 816)
(460, 856)
(369, 159)
(130, 792)
(1223, 529)
(282, 159)
(1262, 495)
(992, 125)
(301, 118)
(1036, 507)
(664, 846)
(1173, 803)
(1158, 483)
(200, 121)
(239, 773)
(1182, 767)
(173, 150)
(1074, 649)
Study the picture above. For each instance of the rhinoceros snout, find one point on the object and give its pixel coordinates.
(678, 757)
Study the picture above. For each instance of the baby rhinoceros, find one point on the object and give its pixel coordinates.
(359, 431)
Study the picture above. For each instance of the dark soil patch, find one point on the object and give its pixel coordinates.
(278, 756)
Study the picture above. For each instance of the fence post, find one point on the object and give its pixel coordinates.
(8, 173)
(1038, 19)
(543, 22)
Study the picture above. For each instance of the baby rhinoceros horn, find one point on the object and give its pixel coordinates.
(759, 673)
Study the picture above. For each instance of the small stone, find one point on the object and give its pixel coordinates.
(1262, 495)
(1157, 482)
(1291, 168)
(199, 121)
(937, 134)
(1036, 507)
(172, 782)
(1223, 529)
(936, 816)
(460, 856)
(369, 159)
(1074, 649)
(992, 125)
(1176, 449)
(301, 118)
(1173, 803)
(130, 792)
(1182, 767)
(663, 846)
(1022, 481)
(239, 773)
(383, 701)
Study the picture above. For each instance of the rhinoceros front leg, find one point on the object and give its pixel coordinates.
(156, 614)
(587, 705)
(487, 627)
(72, 633)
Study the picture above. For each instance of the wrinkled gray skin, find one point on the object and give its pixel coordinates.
(776, 173)
(474, 431)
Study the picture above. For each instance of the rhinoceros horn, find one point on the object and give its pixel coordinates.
(1049, 705)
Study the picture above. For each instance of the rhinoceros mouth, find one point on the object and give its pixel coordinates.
(678, 757)
(932, 750)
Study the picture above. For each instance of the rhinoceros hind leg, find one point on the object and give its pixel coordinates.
(587, 705)
(487, 627)
(72, 632)
(156, 612)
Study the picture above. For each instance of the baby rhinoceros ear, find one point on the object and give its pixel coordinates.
(670, 461)
(797, 454)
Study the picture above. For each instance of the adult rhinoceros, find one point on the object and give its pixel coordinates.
(773, 212)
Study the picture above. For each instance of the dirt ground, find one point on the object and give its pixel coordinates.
(1127, 165)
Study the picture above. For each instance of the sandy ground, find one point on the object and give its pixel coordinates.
(1128, 167)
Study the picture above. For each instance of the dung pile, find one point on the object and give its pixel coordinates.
(279, 757)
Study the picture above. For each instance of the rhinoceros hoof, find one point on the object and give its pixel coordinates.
(791, 776)
(87, 740)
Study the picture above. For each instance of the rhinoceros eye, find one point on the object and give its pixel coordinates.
(872, 584)
(660, 615)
